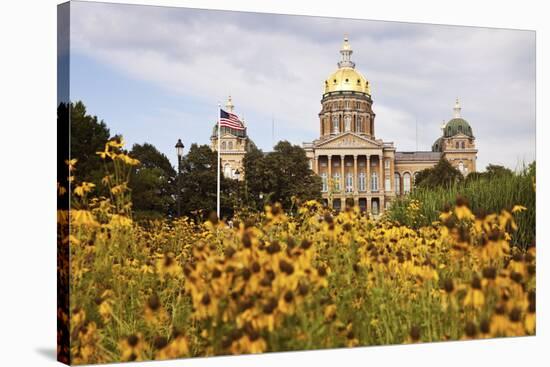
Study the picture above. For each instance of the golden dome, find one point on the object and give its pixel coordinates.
(346, 78)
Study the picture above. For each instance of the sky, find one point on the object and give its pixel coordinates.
(155, 74)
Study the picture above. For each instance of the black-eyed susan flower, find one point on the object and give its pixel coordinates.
(132, 348)
(474, 297)
(154, 312)
(167, 266)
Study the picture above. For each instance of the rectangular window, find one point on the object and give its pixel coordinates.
(387, 184)
(362, 182)
(324, 181)
(387, 164)
(336, 180)
(349, 183)
(374, 182)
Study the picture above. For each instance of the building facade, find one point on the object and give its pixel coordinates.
(357, 167)
(233, 146)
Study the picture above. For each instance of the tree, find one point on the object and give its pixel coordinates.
(494, 170)
(422, 175)
(63, 140)
(88, 136)
(280, 175)
(443, 174)
(198, 182)
(474, 176)
(153, 182)
(257, 179)
(491, 171)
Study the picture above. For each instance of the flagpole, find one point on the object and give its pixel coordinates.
(219, 162)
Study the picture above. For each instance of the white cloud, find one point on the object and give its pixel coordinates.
(276, 65)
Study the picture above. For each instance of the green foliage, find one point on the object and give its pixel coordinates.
(491, 171)
(443, 174)
(198, 185)
(496, 170)
(280, 176)
(152, 182)
(486, 193)
(88, 136)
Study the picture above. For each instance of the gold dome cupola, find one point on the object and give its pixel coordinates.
(346, 78)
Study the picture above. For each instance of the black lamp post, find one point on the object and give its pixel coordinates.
(179, 151)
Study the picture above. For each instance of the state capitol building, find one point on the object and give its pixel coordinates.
(353, 163)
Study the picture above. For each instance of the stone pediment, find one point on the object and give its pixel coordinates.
(349, 140)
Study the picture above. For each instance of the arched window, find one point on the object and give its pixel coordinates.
(223, 145)
(362, 182)
(324, 181)
(462, 145)
(230, 145)
(460, 128)
(406, 183)
(457, 145)
(227, 172)
(335, 127)
(347, 123)
(374, 181)
(461, 167)
(336, 181)
(387, 184)
(359, 127)
(349, 182)
(397, 183)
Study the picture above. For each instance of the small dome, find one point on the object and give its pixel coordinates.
(437, 145)
(457, 126)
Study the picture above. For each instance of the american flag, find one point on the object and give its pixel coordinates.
(230, 120)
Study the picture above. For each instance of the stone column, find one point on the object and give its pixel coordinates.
(367, 174)
(355, 178)
(381, 174)
(342, 174)
(329, 157)
(316, 164)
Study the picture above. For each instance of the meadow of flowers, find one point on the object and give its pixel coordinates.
(278, 282)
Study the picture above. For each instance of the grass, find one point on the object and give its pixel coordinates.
(485, 195)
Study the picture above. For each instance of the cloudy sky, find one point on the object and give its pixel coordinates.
(156, 74)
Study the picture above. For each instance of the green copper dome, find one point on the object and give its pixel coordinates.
(437, 146)
(457, 126)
